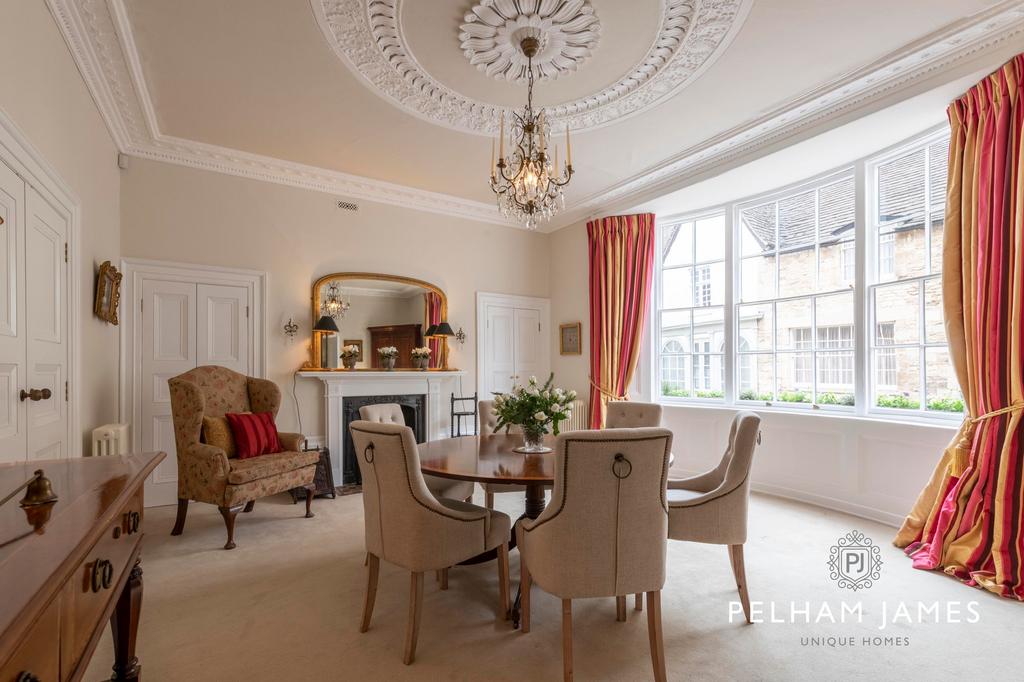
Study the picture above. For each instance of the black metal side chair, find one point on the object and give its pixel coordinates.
(459, 413)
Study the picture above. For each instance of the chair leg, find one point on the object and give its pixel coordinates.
(638, 601)
(567, 640)
(620, 608)
(740, 573)
(412, 631)
(179, 520)
(504, 608)
(373, 564)
(654, 633)
(249, 506)
(310, 492)
(524, 589)
(489, 499)
(229, 514)
(444, 578)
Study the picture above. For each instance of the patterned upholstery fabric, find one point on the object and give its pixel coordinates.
(712, 507)
(405, 524)
(605, 531)
(217, 432)
(391, 413)
(245, 470)
(204, 470)
(626, 414)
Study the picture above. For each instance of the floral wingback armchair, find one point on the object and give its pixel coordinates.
(207, 473)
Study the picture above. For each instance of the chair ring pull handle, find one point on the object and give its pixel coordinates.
(759, 437)
(368, 458)
(622, 467)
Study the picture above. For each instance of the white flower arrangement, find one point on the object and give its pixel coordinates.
(387, 352)
(351, 351)
(423, 352)
(534, 407)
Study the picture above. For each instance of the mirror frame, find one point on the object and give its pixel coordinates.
(314, 345)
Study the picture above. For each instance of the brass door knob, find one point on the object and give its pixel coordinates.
(36, 394)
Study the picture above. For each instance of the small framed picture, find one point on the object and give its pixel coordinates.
(569, 342)
(108, 293)
(355, 342)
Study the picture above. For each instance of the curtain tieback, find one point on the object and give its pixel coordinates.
(608, 394)
(962, 449)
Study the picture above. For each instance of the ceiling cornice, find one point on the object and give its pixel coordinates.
(100, 39)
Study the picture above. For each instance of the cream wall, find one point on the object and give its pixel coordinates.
(42, 92)
(174, 213)
(570, 302)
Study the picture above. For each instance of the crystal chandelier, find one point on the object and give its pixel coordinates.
(528, 183)
(334, 304)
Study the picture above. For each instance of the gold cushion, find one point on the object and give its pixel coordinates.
(217, 432)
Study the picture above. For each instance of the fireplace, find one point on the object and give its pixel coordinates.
(413, 408)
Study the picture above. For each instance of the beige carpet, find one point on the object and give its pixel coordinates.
(285, 605)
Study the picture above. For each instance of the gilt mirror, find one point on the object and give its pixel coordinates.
(373, 311)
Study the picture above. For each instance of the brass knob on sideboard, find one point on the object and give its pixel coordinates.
(102, 575)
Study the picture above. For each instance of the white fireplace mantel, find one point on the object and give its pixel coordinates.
(436, 385)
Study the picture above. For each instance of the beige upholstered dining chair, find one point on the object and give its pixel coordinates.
(391, 413)
(604, 533)
(626, 414)
(409, 527)
(712, 507)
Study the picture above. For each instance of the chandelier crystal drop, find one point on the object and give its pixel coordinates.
(528, 182)
(334, 305)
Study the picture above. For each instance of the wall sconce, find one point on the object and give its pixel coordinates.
(460, 336)
(291, 329)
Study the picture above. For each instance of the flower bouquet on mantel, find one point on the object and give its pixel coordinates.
(349, 356)
(421, 357)
(388, 355)
(534, 409)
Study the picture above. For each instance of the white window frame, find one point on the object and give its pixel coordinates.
(866, 279)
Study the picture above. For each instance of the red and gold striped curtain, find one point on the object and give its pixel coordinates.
(621, 269)
(431, 316)
(968, 520)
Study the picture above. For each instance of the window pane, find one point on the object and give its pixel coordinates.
(938, 156)
(794, 325)
(675, 332)
(835, 377)
(709, 329)
(899, 304)
(937, 220)
(934, 327)
(757, 229)
(836, 203)
(708, 378)
(901, 197)
(886, 256)
(677, 288)
(756, 376)
(903, 365)
(677, 244)
(796, 377)
(837, 266)
(941, 386)
(710, 236)
(796, 272)
(716, 277)
(834, 317)
(675, 375)
(797, 221)
(755, 327)
(757, 278)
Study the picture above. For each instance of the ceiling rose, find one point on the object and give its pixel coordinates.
(566, 30)
(367, 35)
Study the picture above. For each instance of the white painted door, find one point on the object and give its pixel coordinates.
(168, 349)
(514, 349)
(184, 325)
(13, 441)
(46, 313)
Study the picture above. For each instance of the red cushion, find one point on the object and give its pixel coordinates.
(255, 434)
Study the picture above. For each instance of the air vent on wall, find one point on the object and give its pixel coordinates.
(348, 206)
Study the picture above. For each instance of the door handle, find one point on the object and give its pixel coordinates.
(36, 394)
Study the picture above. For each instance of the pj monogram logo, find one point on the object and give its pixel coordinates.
(855, 561)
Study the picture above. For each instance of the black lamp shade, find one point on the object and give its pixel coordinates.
(325, 324)
(444, 329)
(431, 330)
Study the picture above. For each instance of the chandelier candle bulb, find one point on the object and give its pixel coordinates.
(568, 148)
(501, 154)
(492, 157)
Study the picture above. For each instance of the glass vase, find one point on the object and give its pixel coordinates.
(533, 439)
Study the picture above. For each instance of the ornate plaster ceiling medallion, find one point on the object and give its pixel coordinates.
(367, 35)
(566, 30)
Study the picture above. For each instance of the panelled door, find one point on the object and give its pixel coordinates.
(34, 324)
(184, 325)
(514, 348)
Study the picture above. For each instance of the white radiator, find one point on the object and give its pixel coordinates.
(580, 419)
(110, 439)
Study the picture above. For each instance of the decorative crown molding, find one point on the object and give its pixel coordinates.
(368, 37)
(99, 37)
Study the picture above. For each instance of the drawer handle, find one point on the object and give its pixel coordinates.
(131, 522)
(26, 676)
(102, 575)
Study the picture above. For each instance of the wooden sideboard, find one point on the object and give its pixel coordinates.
(404, 337)
(70, 567)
